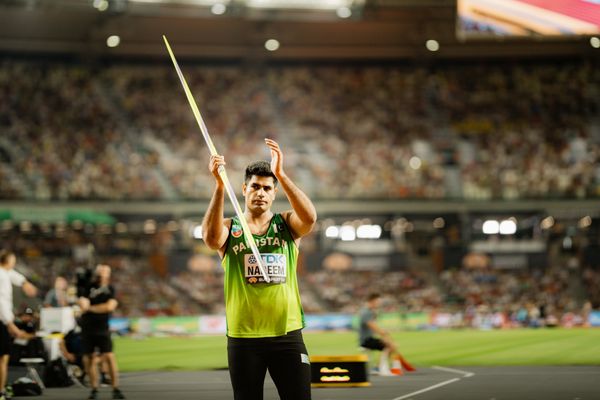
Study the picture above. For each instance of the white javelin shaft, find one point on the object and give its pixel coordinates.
(222, 173)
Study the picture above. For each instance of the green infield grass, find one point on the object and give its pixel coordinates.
(458, 348)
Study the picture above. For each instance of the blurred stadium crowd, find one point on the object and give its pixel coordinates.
(498, 298)
(487, 131)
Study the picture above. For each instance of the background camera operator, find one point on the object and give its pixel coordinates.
(97, 302)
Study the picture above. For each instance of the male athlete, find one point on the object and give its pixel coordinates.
(264, 320)
(368, 329)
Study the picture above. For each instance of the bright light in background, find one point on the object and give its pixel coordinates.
(585, 222)
(547, 222)
(101, 5)
(272, 44)
(197, 232)
(150, 226)
(347, 233)
(299, 4)
(595, 42)
(415, 162)
(508, 227)
(491, 227)
(113, 41)
(218, 9)
(439, 223)
(432, 45)
(368, 232)
(332, 231)
(344, 12)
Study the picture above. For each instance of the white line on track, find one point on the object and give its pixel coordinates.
(427, 389)
(466, 374)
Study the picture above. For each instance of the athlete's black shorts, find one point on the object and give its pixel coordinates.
(96, 342)
(373, 344)
(285, 357)
(5, 340)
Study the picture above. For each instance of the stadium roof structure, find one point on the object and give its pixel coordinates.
(238, 29)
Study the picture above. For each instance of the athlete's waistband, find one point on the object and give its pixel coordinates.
(291, 335)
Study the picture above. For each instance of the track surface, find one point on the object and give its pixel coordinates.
(486, 383)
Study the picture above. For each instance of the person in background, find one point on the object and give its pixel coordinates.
(8, 278)
(33, 347)
(57, 297)
(373, 337)
(97, 306)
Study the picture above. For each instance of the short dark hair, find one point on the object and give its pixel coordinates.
(5, 255)
(259, 168)
(373, 296)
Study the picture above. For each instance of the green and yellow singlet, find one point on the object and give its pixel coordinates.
(254, 308)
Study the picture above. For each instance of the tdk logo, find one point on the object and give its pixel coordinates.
(273, 258)
(268, 258)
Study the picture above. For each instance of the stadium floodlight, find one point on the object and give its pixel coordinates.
(300, 4)
(368, 232)
(100, 5)
(272, 44)
(332, 232)
(439, 223)
(491, 227)
(222, 173)
(218, 8)
(344, 12)
(202, 3)
(347, 233)
(585, 222)
(432, 45)
(547, 222)
(113, 41)
(197, 232)
(150, 226)
(508, 227)
(415, 162)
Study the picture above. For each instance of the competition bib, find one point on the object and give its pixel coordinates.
(275, 267)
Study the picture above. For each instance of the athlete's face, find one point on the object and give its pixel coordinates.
(259, 193)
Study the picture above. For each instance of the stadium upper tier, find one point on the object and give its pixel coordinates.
(122, 132)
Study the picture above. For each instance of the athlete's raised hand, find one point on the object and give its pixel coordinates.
(276, 157)
(214, 164)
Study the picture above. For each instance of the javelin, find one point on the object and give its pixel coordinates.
(222, 173)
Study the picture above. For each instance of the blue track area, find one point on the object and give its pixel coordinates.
(461, 383)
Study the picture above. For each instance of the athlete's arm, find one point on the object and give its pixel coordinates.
(104, 308)
(301, 219)
(214, 228)
(18, 279)
(375, 328)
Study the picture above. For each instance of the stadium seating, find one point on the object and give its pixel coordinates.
(126, 132)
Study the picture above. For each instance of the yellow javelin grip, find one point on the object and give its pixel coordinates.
(213, 151)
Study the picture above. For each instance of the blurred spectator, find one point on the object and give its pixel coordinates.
(485, 131)
(57, 296)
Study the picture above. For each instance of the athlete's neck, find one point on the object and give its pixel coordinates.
(258, 220)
